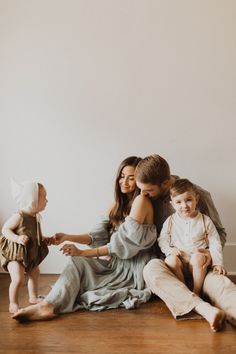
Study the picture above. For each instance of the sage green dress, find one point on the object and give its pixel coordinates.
(30, 255)
(99, 284)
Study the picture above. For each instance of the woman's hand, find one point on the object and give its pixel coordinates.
(22, 240)
(59, 238)
(71, 250)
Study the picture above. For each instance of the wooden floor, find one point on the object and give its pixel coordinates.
(149, 329)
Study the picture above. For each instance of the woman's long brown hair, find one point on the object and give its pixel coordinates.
(122, 204)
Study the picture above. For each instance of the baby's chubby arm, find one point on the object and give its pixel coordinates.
(10, 225)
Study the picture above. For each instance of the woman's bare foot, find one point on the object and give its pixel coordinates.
(13, 307)
(212, 314)
(35, 300)
(42, 311)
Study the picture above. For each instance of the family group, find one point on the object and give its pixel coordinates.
(162, 235)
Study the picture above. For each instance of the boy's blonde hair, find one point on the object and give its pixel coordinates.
(181, 186)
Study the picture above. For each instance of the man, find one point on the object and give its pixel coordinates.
(154, 180)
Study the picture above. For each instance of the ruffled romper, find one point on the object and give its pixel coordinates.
(30, 255)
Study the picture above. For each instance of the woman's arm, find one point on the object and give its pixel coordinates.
(141, 211)
(60, 237)
(97, 236)
(71, 250)
(10, 225)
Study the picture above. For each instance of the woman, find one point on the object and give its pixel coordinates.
(126, 236)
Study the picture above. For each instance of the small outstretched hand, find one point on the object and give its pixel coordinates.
(55, 239)
(49, 241)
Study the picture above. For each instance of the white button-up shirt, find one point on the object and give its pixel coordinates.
(190, 234)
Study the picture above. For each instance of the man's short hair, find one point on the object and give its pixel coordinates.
(153, 169)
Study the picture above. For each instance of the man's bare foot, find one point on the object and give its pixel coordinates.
(212, 314)
(13, 307)
(42, 311)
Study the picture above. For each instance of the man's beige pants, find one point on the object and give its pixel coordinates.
(180, 300)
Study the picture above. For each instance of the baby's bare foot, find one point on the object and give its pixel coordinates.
(42, 311)
(13, 307)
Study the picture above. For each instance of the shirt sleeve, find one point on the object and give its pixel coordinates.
(131, 238)
(207, 207)
(215, 246)
(164, 239)
(99, 233)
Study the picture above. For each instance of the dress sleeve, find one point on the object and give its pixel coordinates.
(131, 237)
(164, 239)
(99, 233)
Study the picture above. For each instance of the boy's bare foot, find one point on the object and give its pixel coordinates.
(13, 307)
(212, 314)
(231, 318)
(42, 311)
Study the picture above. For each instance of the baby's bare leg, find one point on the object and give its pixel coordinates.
(16, 271)
(33, 285)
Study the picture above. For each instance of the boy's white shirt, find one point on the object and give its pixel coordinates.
(189, 234)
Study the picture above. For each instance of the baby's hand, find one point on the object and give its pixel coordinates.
(59, 238)
(49, 241)
(22, 240)
(219, 269)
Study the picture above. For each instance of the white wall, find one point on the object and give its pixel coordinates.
(85, 84)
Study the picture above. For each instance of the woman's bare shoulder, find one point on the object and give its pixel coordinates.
(141, 200)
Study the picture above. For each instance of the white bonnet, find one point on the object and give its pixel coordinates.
(25, 195)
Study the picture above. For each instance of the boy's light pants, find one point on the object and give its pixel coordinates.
(180, 300)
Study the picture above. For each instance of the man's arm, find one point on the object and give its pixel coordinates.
(206, 206)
